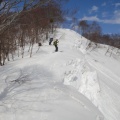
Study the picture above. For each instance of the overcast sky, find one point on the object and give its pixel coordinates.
(106, 12)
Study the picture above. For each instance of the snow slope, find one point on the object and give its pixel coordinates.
(72, 84)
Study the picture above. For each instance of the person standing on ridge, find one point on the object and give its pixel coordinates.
(55, 43)
(51, 39)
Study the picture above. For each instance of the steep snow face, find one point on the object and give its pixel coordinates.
(83, 79)
(77, 82)
(96, 77)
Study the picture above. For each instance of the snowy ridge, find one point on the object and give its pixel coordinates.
(86, 81)
(74, 83)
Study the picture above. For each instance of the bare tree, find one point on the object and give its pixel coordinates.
(83, 25)
(22, 22)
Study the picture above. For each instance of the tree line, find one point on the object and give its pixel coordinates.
(26, 22)
(93, 32)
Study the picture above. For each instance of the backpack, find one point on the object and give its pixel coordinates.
(55, 42)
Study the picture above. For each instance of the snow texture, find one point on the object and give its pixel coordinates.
(75, 83)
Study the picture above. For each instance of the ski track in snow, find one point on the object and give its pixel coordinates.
(105, 71)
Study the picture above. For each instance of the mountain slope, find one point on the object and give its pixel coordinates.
(71, 84)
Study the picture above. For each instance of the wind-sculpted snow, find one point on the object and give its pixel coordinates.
(83, 79)
(96, 77)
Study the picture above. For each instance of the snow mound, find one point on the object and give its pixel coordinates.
(83, 79)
